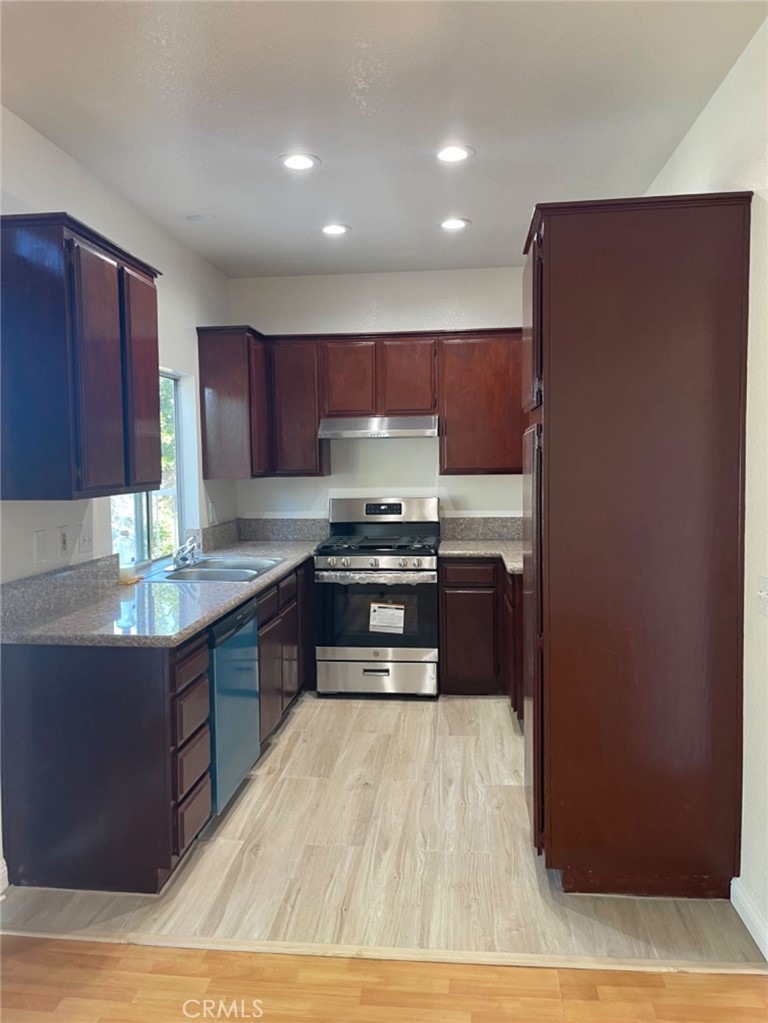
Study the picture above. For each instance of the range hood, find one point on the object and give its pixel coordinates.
(378, 426)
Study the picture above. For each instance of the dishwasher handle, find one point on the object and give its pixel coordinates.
(228, 626)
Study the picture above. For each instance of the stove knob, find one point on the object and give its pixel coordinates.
(345, 562)
(331, 562)
(374, 562)
(401, 563)
(417, 562)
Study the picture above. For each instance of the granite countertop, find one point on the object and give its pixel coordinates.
(155, 613)
(162, 614)
(510, 551)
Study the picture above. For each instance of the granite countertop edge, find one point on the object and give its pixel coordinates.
(89, 625)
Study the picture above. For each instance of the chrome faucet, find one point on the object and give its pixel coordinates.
(186, 554)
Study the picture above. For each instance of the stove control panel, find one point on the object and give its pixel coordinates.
(361, 563)
(390, 508)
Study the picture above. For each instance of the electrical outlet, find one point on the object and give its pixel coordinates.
(86, 539)
(63, 542)
(762, 594)
(40, 546)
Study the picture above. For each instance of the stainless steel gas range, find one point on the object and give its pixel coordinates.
(376, 578)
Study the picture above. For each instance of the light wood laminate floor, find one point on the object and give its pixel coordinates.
(396, 824)
(86, 982)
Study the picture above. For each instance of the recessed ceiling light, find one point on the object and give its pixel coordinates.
(455, 224)
(455, 154)
(198, 218)
(299, 161)
(335, 229)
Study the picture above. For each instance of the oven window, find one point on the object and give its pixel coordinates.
(344, 617)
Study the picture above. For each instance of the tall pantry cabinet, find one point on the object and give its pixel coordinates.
(634, 356)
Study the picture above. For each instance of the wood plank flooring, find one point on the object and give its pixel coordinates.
(54, 981)
(394, 824)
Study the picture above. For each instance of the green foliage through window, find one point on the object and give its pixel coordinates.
(148, 524)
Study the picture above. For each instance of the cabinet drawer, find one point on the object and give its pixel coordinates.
(192, 814)
(192, 663)
(469, 573)
(286, 590)
(192, 761)
(191, 710)
(267, 604)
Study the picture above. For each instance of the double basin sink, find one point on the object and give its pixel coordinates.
(218, 570)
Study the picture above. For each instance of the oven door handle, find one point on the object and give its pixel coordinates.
(351, 578)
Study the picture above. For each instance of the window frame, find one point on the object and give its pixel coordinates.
(142, 500)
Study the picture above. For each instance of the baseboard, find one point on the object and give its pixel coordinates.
(3, 875)
(754, 919)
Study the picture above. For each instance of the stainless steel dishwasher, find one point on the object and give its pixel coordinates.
(234, 701)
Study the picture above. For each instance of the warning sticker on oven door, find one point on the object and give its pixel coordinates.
(387, 618)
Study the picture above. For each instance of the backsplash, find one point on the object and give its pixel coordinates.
(45, 596)
(491, 527)
(312, 530)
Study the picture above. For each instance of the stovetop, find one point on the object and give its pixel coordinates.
(378, 544)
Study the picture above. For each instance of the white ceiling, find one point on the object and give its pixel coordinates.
(185, 107)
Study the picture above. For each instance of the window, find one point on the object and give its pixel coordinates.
(149, 524)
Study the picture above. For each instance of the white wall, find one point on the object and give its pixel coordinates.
(37, 177)
(357, 303)
(727, 150)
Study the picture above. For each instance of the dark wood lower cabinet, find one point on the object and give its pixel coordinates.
(106, 751)
(283, 614)
(479, 651)
(270, 677)
(95, 761)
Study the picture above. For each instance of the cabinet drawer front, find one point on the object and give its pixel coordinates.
(192, 814)
(192, 761)
(267, 604)
(191, 665)
(192, 710)
(470, 573)
(286, 590)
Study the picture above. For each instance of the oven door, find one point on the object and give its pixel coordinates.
(383, 616)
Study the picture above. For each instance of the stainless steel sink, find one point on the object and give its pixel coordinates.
(219, 570)
(199, 574)
(259, 565)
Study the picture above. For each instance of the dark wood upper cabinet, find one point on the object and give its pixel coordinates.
(481, 419)
(225, 402)
(99, 359)
(641, 519)
(296, 409)
(406, 376)
(261, 412)
(349, 377)
(79, 368)
(142, 384)
(533, 327)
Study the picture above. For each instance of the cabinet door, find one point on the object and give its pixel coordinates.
(99, 371)
(295, 377)
(270, 677)
(225, 401)
(142, 379)
(481, 420)
(507, 638)
(349, 371)
(532, 328)
(406, 376)
(290, 639)
(469, 659)
(261, 433)
(532, 626)
(307, 662)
